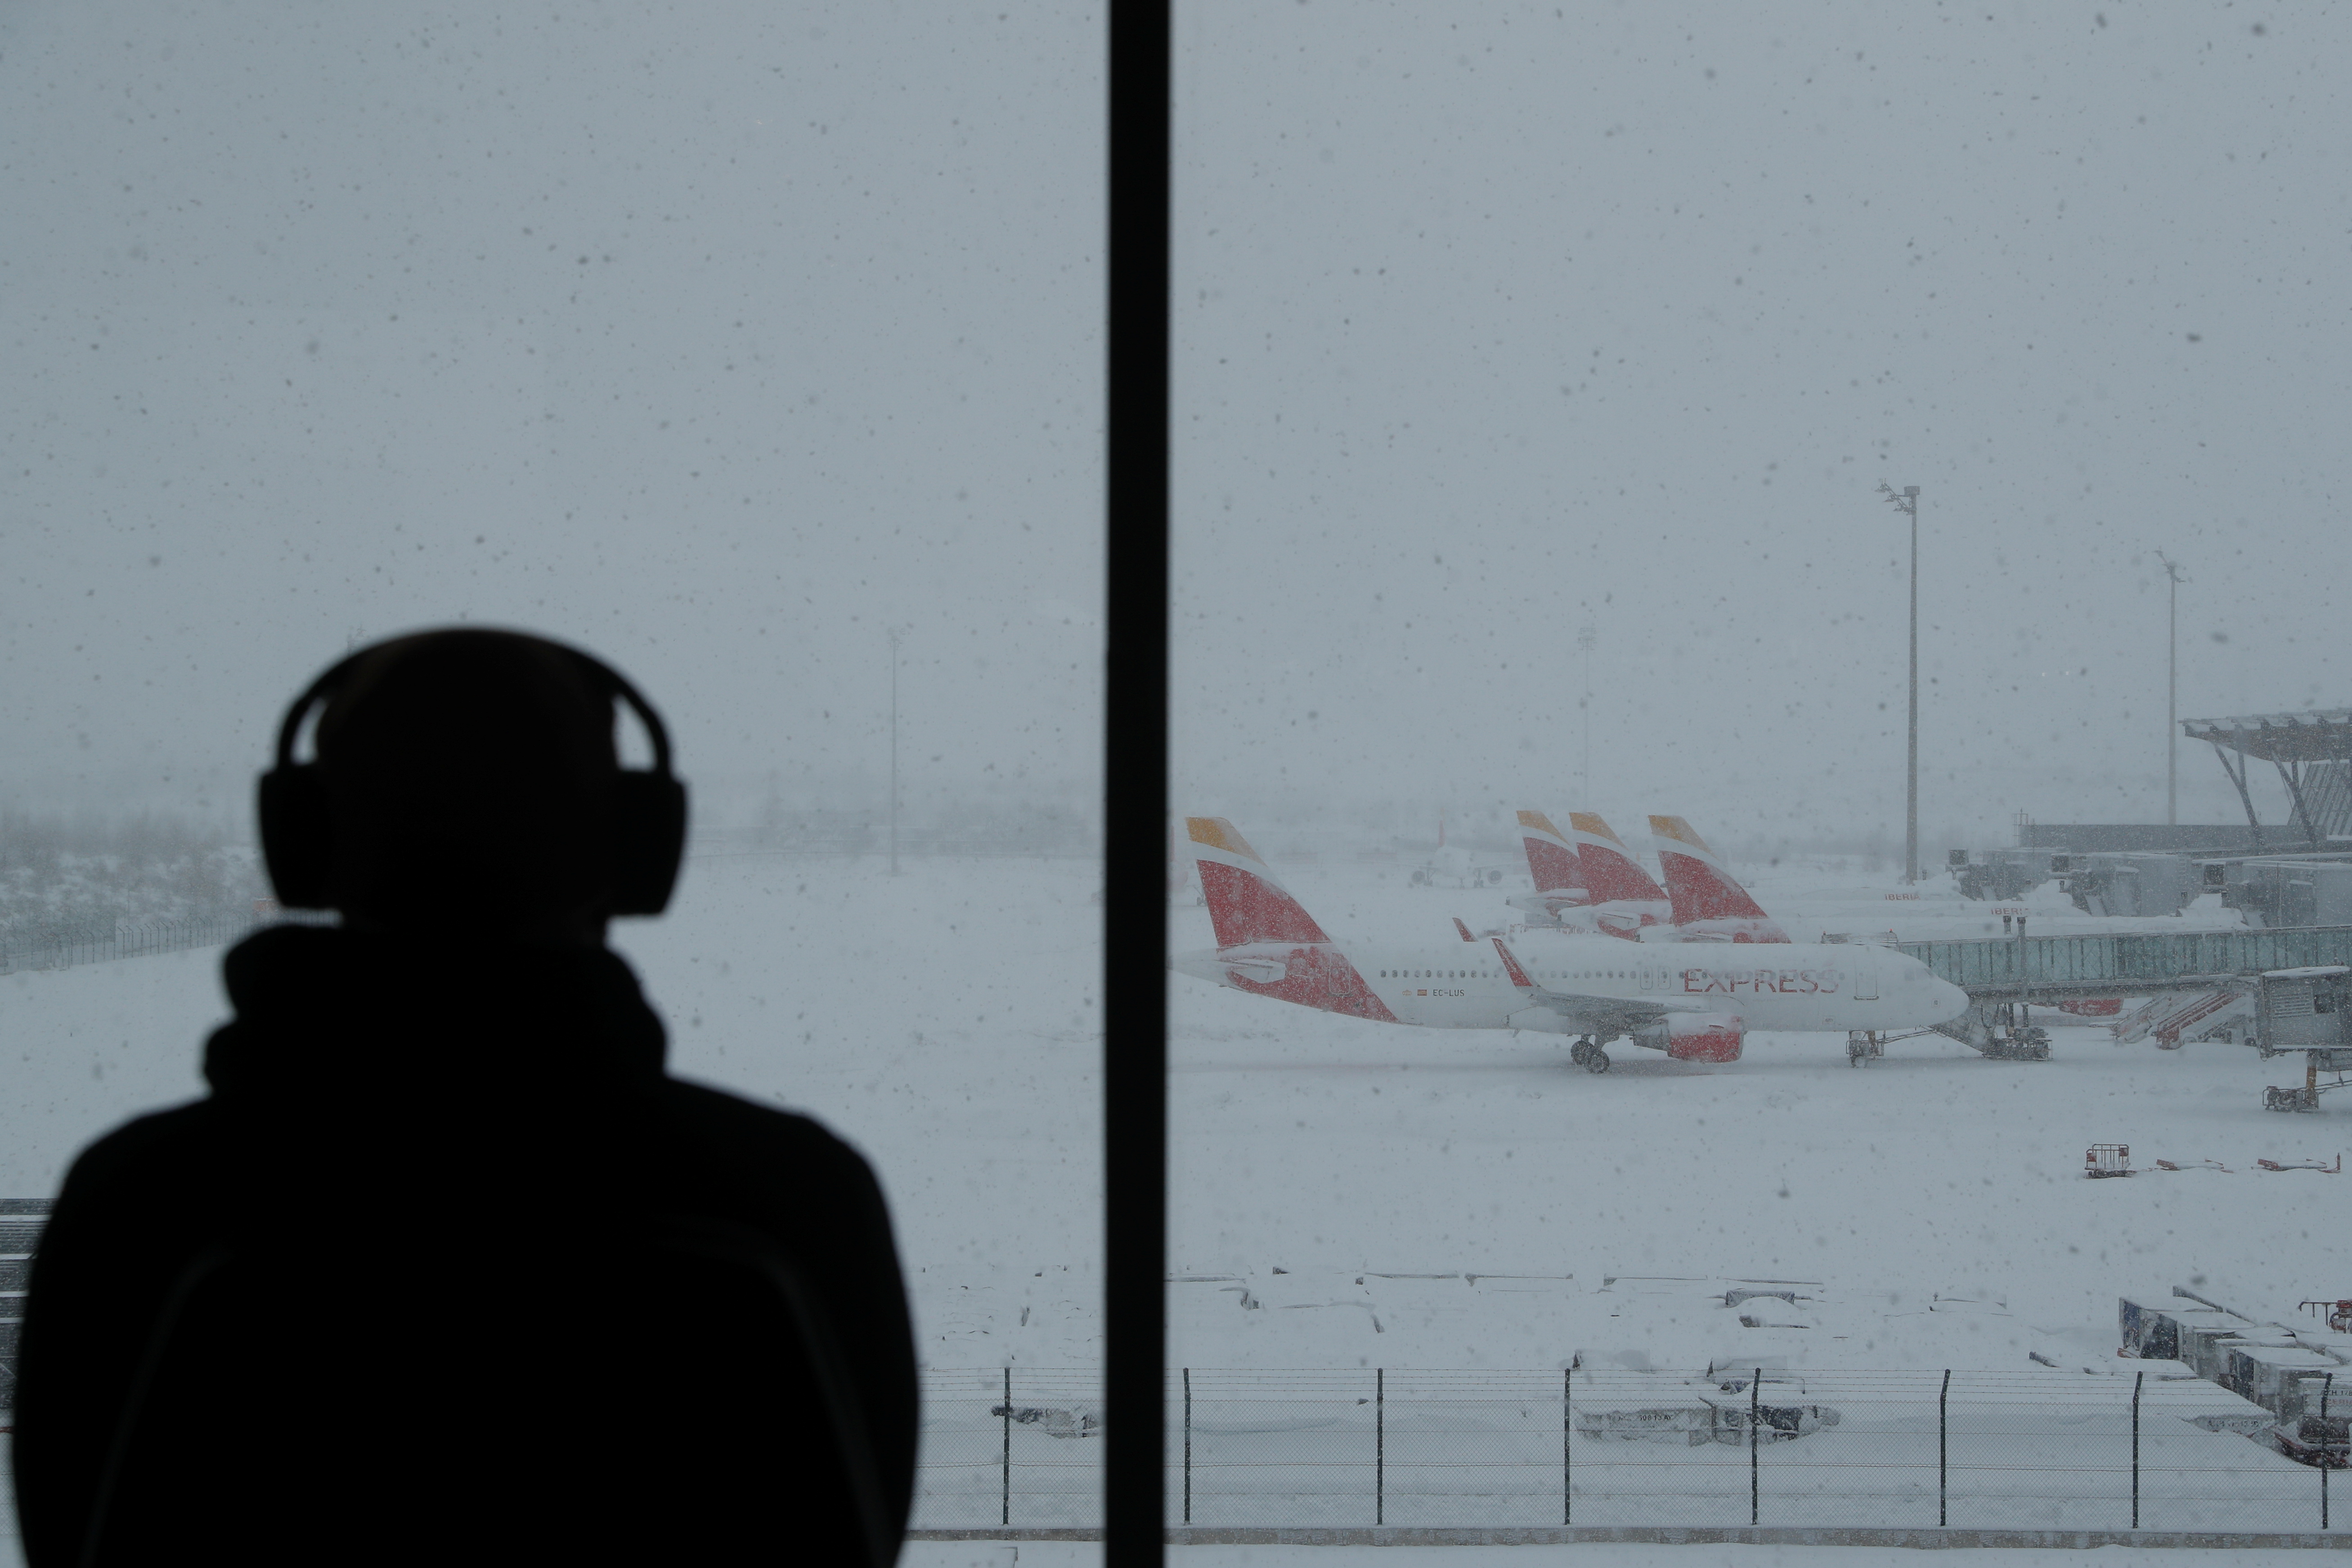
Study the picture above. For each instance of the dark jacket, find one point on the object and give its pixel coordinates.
(410, 1281)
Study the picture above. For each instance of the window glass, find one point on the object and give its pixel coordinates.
(1538, 372)
(755, 349)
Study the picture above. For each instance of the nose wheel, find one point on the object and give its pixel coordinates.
(1589, 1056)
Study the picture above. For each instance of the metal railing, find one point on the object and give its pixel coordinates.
(21, 1220)
(1577, 1447)
(2060, 965)
(68, 944)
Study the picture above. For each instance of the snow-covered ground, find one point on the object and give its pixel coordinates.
(1314, 1143)
(946, 1020)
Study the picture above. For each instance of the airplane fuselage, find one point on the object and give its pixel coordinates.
(1795, 986)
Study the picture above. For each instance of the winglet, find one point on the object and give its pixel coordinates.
(1463, 929)
(1511, 965)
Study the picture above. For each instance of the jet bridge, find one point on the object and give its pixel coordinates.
(2031, 969)
(2307, 1010)
(2313, 754)
(2300, 980)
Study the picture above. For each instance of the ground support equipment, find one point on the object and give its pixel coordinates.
(2336, 1064)
(2108, 1160)
(2000, 1031)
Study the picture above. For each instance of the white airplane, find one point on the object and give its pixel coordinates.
(1586, 880)
(1452, 865)
(1709, 903)
(1695, 1005)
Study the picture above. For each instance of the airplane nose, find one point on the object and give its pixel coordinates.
(1952, 999)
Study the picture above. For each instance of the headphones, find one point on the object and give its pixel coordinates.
(649, 804)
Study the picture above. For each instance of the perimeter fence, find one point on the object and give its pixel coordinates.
(1981, 1450)
(65, 944)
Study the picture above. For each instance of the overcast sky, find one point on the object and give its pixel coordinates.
(1618, 315)
(722, 339)
(717, 338)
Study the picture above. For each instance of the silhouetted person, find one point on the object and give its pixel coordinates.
(445, 1267)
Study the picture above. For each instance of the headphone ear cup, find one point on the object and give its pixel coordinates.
(297, 835)
(648, 840)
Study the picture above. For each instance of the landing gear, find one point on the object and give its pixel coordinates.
(2026, 1044)
(2013, 1037)
(1861, 1045)
(1587, 1054)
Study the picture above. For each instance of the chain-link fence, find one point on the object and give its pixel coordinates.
(65, 944)
(1981, 1450)
(1005, 1446)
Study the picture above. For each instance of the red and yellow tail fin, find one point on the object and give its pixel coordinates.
(1611, 872)
(1551, 858)
(1702, 886)
(1247, 903)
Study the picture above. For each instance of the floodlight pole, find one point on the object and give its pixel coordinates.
(1586, 636)
(2171, 692)
(893, 752)
(1911, 783)
(1908, 503)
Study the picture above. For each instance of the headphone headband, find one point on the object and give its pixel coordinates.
(613, 684)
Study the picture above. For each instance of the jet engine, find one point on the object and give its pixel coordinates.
(1696, 1037)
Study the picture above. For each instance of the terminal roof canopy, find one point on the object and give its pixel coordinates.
(2323, 736)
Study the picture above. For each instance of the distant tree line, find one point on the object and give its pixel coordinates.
(1022, 827)
(84, 872)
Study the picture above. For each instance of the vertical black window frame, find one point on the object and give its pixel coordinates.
(1135, 782)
